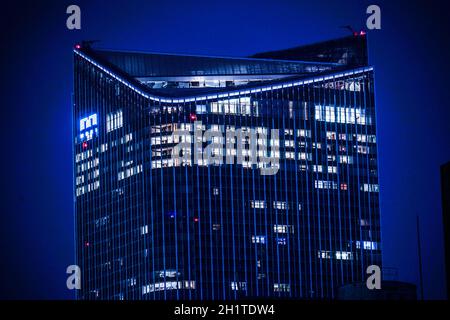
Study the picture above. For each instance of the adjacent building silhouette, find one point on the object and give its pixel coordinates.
(223, 178)
(445, 193)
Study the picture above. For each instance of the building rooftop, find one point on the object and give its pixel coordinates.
(145, 65)
(176, 75)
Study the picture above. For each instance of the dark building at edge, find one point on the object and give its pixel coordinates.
(149, 226)
(445, 194)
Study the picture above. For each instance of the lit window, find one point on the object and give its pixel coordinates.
(240, 106)
(343, 255)
(235, 286)
(83, 155)
(100, 222)
(127, 138)
(281, 287)
(280, 205)
(88, 127)
(331, 135)
(258, 204)
(144, 229)
(317, 168)
(342, 115)
(88, 122)
(324, 254)
(289, 143)
(364, 223)
(168, 285)
(131, 282)
(88, 187)
(259, 239)
(366, 187)
(200, 108)
(304, 133)
(114, 120)
(363, 149)
(361, 138)
(346, 159)
(367, 245)
(332, 169)
(283, 228)
(291, 109)
(170, 273)
(289, 155)
(129, 172)
(305, 156)
(79, 180)
(324, 184)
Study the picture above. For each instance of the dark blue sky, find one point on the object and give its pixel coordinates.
(410, 55)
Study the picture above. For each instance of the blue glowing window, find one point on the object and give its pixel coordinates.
(88, 127)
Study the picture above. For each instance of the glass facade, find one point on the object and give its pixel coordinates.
(150, 225)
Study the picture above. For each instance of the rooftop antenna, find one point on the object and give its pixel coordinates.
(350, 28)
(353, 31)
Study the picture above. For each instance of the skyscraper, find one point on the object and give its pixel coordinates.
(222, 178)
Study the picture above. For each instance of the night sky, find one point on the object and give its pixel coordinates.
(410, 55)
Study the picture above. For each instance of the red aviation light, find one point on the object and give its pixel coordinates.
(85, 145)
(193, 117)
(361, 33)
(78, 46)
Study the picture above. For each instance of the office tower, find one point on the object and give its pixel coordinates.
(224, 178)
(445, 194)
